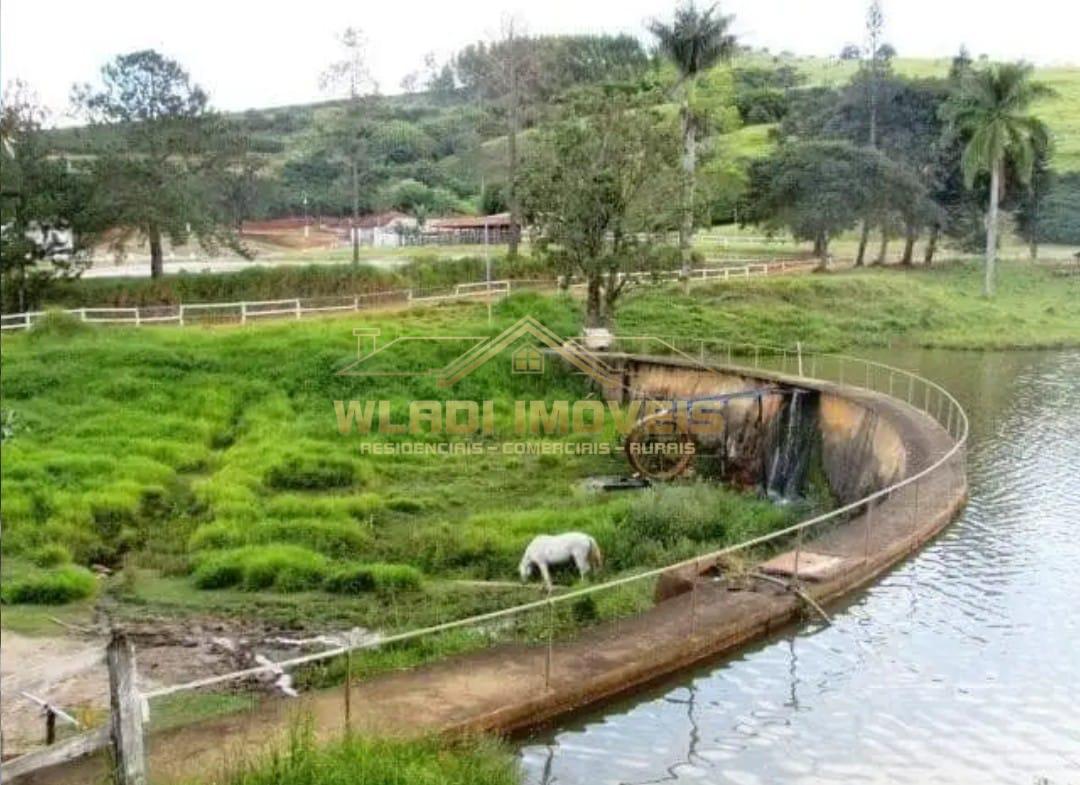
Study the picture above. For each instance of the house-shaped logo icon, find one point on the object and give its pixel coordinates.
(527, 342)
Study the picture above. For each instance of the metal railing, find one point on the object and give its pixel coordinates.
(794, 362)
(927, 396)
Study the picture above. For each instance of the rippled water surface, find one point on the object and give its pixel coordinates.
(961, 665)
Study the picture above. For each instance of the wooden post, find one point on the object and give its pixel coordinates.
(50, 726)
(129, 743)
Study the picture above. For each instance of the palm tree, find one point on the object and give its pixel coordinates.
(991, 113)
(695, 41)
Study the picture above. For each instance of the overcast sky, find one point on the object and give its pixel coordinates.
(256, 54)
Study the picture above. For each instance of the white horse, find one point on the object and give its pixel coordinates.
(548, 550)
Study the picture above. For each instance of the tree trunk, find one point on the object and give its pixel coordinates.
(593, 305)
(884, 249)
(821, 251)
(864, 238)
(931, 245)
(689, 163)
(354, 224)
(157, 256)
(991, 229)
(909, 246)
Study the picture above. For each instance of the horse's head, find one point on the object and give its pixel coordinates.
(525, 569)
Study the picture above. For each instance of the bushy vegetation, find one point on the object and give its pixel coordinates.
(55, 586)
(425, 270)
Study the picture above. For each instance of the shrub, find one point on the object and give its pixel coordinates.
(311, 473)
(55, 587)
(337, 539)
(59, 324)
(219, 571)
(51, 554)
(383, 578)
(285, 568)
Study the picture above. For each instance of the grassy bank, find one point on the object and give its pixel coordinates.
(205, 467)
(358, 761)
(936, 307)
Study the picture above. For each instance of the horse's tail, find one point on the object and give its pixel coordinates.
(596, 559)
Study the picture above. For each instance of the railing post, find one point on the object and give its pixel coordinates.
(348, 685)
(356, 302)
(129, 743)
(798, 352)
(297, 307)
(181, 314)
(798, 553)
(869, 525)
(243, 312)
(910, 387)
(138, 320)
(693, 599)
(550, 641)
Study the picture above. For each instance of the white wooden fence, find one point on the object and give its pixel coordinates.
(244, 311)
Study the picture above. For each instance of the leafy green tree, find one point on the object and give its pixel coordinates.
(44, 221)
(818, 189)
(991, 113)
(154, 178)
(589, 190)
(694, 41)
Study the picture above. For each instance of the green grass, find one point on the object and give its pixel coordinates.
(937, 307)
(210, 456)
(361, 761)
(52, 584)
(206, 466)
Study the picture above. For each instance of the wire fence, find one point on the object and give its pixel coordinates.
(557, 617)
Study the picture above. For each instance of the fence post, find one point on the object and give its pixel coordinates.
(798, 352)
(82, 314)
(356, 302)
(129, 744)
(297, 307)
(181, 314)
(138, 319)
(50, 726)
(243, 313)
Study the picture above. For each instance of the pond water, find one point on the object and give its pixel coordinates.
(960, 665)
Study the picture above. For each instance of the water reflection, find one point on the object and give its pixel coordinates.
(958, 666)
